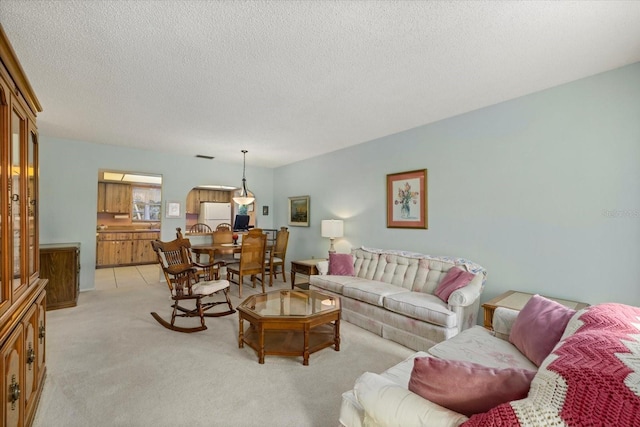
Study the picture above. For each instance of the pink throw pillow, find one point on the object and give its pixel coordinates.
(538, 327)
(455, 279)
(465, 387)
(341, 264)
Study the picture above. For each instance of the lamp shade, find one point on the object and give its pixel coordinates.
(332, 228)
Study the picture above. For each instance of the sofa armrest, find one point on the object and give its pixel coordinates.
(467, 295)
(387, 404)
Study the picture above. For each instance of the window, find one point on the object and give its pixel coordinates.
(147, 202)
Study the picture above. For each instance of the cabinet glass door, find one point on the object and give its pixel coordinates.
(17, 132)
(32, 206)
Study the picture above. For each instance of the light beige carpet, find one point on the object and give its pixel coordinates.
(111, 364)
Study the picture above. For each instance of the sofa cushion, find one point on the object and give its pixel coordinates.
(455, 279)
(465, 387)
(422, 307)
(539, 326)
(478, 345)
(366, 263)
(341, 264)
(332, 283)
(392, 405)
(370, 291)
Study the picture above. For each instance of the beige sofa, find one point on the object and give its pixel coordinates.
(392, 294)
(589, 378)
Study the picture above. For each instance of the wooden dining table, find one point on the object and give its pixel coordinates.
(218, 248)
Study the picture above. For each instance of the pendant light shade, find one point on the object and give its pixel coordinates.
(243, 196)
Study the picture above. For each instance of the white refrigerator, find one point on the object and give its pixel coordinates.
(212, 214)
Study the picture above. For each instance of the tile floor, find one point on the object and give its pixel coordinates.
(121, 277)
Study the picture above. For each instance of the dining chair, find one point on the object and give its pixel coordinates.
(251, 261)
(277, 255)
(200, 228)
(223, 237)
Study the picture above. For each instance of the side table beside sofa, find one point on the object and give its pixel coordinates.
(516, 300)
(308, 267)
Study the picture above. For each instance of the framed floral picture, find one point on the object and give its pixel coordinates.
(299, 211)
(407, 199)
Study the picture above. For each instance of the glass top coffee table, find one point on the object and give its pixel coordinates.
(290, 323)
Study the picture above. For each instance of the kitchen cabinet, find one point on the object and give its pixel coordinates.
(197, 196)
(125, 248)
(193, 202)
(22, 290)
(114, 198)
(60, 264)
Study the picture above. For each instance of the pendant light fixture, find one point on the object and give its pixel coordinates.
(243, 196)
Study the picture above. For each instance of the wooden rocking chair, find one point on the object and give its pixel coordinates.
(189, 281)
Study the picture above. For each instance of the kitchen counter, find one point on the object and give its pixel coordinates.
(121, 246)
(136, 230)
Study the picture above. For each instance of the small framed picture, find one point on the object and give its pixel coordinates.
(265, 210)
(299, 211)
(407, 199)
(172, 210)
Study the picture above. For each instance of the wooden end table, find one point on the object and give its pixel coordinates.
(308, 267)
(516, 300)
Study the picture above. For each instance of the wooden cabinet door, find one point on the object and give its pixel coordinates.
(41, 348)
(31, 375)
(117, 198)
(102, 197)
(124, 252)
(193, 202)
(217, 196)
(143, 252)
(12, 379)
(60, 264)
(106, 253)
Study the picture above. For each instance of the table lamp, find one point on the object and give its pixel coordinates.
(332, 228)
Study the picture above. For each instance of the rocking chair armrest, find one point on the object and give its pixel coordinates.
(208, 265)
(179, 269)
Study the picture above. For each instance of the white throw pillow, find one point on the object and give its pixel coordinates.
(323, 267)
(389, 404)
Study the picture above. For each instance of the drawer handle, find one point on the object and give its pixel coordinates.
(31, 356)
(41, 333)
(14, 392)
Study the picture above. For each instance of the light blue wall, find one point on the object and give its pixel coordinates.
(543, 191)
(69, 189)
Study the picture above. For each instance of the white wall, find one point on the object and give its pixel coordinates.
(69, 189)
(543, 191)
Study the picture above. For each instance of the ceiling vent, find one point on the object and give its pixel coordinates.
(202, 156)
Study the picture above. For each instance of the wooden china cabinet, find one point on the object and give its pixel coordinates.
(22, 291)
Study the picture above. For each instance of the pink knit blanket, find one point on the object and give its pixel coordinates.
(592, 378)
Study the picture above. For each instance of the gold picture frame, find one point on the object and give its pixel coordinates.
(299, 211)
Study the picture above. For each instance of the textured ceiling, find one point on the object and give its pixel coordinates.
(289, 80)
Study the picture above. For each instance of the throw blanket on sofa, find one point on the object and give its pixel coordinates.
(591, 378)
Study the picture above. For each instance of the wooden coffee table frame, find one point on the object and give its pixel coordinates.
(289, 335)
